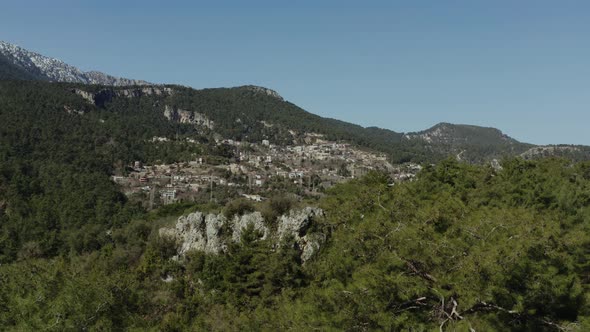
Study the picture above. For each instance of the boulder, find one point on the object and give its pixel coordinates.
(197, 231)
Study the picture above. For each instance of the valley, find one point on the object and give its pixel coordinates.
(127, 205)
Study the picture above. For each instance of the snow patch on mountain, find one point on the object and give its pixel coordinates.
(57, 70)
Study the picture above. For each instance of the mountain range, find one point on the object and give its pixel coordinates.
(19, 63)
(252, 113)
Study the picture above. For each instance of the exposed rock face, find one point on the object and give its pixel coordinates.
(201, 232)
(105, 96)
(86, 95)
(153, 90)
(56, 70)
(197, 232)
(241, 223)
(183, 116)
(311, 244)
(547, 151)
(263, 90)
(71, 110)
(296, 224)
(96, 77)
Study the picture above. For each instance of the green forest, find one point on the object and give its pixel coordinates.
(462, 247)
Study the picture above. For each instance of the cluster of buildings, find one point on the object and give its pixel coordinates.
(256, 169)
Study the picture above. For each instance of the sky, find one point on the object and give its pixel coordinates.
(520, 66)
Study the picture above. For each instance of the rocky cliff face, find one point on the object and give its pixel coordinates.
(550, 151)
(212, 233)
(184, 116)
(104, 96)
(296, 225)
(56, 70)
(262, 90)
(197, 231)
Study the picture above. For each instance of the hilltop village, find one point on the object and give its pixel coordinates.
(256, 171)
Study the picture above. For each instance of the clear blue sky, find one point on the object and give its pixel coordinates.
(521, 66)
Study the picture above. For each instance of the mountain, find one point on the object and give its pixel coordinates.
(252, 113)
(19, 63)
(460, 247)
(448, 133)
(469, 142)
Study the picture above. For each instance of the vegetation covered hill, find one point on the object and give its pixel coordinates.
(246, 113)
(467, 142)
(55, 191)
(463, 247)
(243, 113)
(251, 113)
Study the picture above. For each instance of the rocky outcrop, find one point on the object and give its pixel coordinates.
(212, 233)
(56, 70)
(296, 225)
(88, 96)
(264, 91)
(254, 220)
(96, 77)
(71, 110)
(105, 96)
(197, 231)
(549, 151)
(145, 91)
(184, 116)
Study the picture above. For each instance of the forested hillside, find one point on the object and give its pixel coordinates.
(469, 143)
(462, 247)
(246, 113)
(252, 113)
(55, 192)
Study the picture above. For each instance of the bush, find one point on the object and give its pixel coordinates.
(238, 207)
(277, 206)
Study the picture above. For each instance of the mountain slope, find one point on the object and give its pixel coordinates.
(253, 113)
(468, 142)
(447, 133)
(19, 63)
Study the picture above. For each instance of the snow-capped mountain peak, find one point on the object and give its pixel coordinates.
(56, 70)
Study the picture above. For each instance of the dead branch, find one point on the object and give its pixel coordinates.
(484, 306)
(412, 266)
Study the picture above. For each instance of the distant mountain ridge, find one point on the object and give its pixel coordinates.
(252, 113)
(469, 142)
(449, 133)
(29, 65)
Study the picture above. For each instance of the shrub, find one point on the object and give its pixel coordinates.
(238, 207)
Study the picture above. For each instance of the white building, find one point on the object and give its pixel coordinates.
(168, 196)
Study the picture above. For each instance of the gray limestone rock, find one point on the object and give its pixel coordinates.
(184, 116)
(205, 233)
(197, 232)
(240, 223)
(296, 225)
